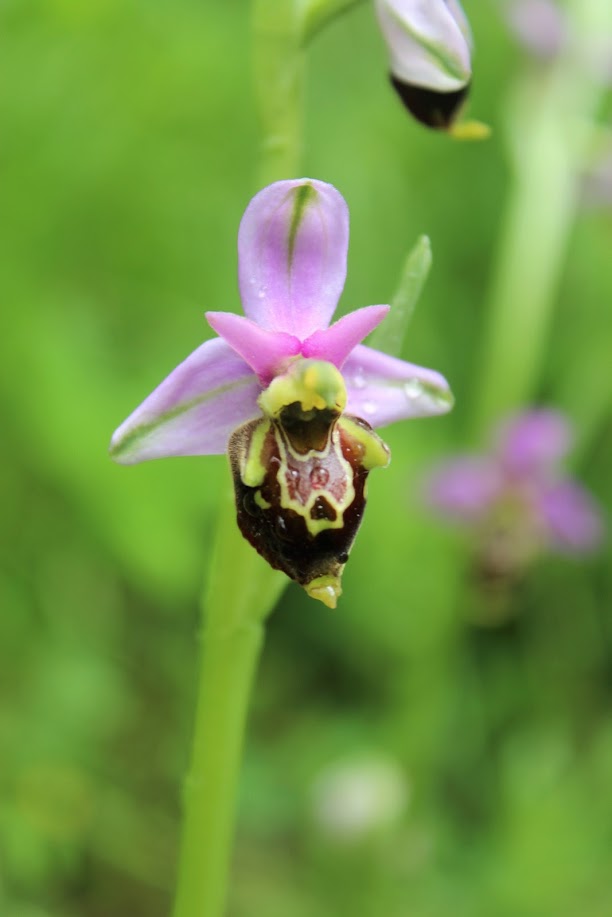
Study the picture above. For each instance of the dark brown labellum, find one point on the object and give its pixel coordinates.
(300, 492)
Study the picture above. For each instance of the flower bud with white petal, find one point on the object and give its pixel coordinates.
(429, 44)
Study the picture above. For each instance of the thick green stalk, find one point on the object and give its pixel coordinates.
(278, 62)
(241, 591)
(282, 30)
(318, 13)
(550, 116)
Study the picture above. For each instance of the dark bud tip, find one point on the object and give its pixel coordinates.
(437, 110)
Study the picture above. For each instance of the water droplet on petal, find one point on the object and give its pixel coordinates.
(359, 380)
(429, 397)
(413, 389)
(369, 408)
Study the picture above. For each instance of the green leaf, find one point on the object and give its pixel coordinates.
(389, 336)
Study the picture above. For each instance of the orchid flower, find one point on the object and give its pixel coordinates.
(291, 398)
(516, 498)
(429, 44)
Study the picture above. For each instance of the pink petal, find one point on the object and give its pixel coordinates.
(532, 443)
(573, 519)
(264, 351)
(382, 389)
(292, 248)
(193, 411)
(465, 488)
(335, 343)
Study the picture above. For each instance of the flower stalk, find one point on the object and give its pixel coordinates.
(279, 76)
(550, 122)
(318, 13)
(234, 609)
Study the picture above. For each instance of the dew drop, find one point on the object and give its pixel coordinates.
(369, 407)
(429, 397)
(359, 379)
(319, 477)
(413, 389)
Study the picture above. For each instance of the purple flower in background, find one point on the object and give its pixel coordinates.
(516, 498)
(539, 25)
(290, 397)
(429, 45)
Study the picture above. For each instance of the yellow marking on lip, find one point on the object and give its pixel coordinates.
(253, 471)
(261, 501)
(375, 453)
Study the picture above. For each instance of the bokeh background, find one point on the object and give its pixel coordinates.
(402, 758)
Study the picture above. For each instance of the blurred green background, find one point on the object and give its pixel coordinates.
(128, 152)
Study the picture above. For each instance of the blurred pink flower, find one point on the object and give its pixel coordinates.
(539, 25)
(516, 497)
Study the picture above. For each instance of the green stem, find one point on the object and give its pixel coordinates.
(549, 119)
(318, 13)
(282, 29)
(279, 67)
(241, 591)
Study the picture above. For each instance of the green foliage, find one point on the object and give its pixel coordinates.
(128, 155)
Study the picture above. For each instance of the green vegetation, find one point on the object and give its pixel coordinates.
(128, 154)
